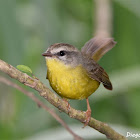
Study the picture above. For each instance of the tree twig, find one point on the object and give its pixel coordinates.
(41, 104)
(103, 18)
(58, 102)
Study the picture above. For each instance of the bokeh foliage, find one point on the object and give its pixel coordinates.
(28, 27)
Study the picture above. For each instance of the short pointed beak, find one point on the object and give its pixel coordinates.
(47, 54)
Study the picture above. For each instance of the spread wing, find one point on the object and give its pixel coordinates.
(98, 73)
(96, 47)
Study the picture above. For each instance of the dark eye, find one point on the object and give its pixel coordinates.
(62, 53)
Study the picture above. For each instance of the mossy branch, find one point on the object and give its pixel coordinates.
(58, 102)
(40, 104)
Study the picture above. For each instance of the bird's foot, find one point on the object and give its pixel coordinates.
(88, 117)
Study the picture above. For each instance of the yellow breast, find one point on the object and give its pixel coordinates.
(69, 82)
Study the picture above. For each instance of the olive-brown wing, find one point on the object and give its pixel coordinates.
(95, 71)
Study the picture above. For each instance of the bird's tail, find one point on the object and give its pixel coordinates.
(96, 47)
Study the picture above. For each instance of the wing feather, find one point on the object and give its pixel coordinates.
(95, 71)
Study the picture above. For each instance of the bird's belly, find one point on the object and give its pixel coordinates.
(71, 83)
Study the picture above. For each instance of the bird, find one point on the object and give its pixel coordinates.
(75, 74)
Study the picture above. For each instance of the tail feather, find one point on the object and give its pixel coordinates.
(96, 47)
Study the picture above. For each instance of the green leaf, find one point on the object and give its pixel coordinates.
(24, 68)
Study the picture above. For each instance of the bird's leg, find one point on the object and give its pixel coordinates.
(68, 105)
(88, 114)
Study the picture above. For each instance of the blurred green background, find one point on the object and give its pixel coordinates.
(28, 27)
